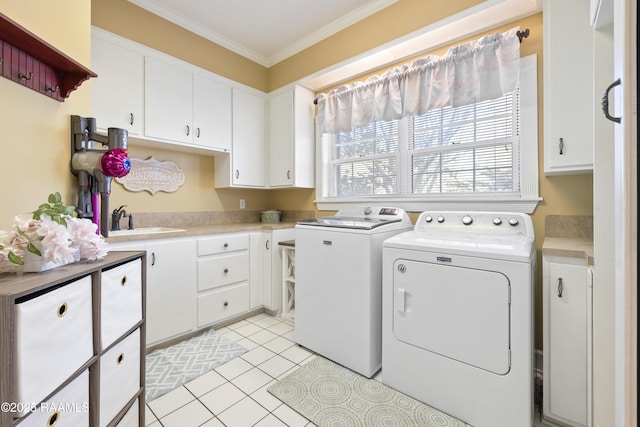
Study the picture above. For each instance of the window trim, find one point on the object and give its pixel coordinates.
(526, 202)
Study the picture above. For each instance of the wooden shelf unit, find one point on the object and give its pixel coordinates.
(31, 62)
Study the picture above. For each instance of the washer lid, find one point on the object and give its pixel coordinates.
(360, 223)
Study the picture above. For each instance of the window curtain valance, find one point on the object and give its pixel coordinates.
(472, 72)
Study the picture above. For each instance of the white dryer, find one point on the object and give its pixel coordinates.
(339, 284)
(458, 315)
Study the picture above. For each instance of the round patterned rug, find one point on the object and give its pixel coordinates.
(330, 395)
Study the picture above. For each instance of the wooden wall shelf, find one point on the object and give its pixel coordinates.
(30, 61)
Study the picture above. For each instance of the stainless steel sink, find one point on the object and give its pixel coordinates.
(144, 230)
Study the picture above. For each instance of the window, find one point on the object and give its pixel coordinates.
(468, 156)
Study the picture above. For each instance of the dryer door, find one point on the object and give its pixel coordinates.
(456, 312)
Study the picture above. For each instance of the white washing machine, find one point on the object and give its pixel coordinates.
(458, 315)
(339, 284)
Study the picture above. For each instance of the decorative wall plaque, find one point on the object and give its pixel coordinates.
(153, 176)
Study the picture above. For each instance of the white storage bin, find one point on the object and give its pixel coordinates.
(131, 418)
(119, 376)
(120, 301)
(53, 339)
(223, 243)
(223, 303)
(222, 270)
(67, 408)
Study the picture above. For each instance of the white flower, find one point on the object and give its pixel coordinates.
(64, 240)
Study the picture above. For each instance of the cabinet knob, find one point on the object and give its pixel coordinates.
(226, 270)
(226, 303)
(226, 245)
(561, 146)
(120, 358)
(123, 281)
(560, 287)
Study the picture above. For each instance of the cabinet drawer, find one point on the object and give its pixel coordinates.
(223, 303)
(222, 244)
(55, 330)
(119, 376)
(67, 408)
(131, 418)
(120, 301)
(223, 270)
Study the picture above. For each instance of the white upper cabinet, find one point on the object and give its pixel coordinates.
(168, 100)
(116, 95)
(568, 87)
(211, 113)
(186, 107)
(291, 138)
(160, 100)
(245, 166)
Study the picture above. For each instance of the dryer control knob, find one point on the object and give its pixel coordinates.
(440, 219)
(428, 218)
(497, 220)
(368, 210)
(513, 221)
(467, 220)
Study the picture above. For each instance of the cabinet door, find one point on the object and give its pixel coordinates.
(248, 139)
(281, 140)
(211, 113)
(291, 139)
(568, 338)
(168, 101)
(171, 288)
(116, 95)
(568, 87)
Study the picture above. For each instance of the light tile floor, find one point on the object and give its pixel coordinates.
(235, 394)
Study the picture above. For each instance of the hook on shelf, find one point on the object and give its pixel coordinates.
(24, 77)
(51, 89)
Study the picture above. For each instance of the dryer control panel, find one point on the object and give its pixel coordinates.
(502, 223)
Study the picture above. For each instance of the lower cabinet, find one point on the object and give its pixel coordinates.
(74, 358)
(171, 288)
(223, 277)
(567, 324)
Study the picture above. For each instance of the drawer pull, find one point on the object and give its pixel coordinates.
(560, 287)
(120, 358)
(123, 281)
(226, 245)
(62, 309)
(53, 418)
(226, 304)
(226, 270)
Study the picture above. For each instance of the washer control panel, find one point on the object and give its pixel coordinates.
(477, 222)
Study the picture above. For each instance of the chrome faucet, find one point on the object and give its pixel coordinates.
(117, 215)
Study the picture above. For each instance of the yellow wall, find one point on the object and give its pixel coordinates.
(34, 129)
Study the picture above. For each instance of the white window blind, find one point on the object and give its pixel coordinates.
(468, 149)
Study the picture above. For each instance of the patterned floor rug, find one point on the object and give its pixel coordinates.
(169, 368)
(330, 395)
